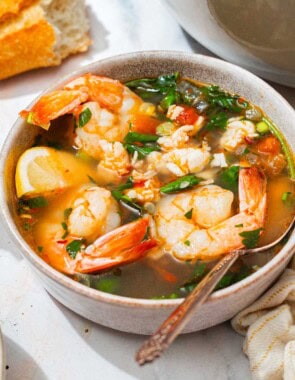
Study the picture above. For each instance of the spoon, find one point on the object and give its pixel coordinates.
(153, 347)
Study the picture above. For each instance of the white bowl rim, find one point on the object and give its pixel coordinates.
(81, 289)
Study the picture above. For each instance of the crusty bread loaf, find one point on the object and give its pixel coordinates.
(41, 34)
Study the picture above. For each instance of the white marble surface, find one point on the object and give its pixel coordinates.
(44, 340)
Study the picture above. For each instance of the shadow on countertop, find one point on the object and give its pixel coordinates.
(186, 359)
(30, 369)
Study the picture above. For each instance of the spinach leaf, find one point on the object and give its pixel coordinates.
(142, 151)
(217, 121)
(251, 238)
(217, 97)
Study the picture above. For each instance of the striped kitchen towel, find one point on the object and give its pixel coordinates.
(269, 327)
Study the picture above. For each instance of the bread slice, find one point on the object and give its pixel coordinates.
(10, 8)
(42, 34)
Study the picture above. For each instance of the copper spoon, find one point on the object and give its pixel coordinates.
(153, 347)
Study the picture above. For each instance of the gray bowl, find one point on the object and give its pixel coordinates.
(138, 315)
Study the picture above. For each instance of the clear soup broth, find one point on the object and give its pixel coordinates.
(136, 189)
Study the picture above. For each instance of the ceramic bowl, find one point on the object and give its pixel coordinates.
(2, 360)
(138, 315)
(228, 29)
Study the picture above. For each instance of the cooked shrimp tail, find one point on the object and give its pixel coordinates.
(118, 247)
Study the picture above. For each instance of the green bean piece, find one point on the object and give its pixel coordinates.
(183, 183)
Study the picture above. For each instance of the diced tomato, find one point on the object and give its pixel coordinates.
(144, 124)
(188, 116)
(139, 184)
(269, 145)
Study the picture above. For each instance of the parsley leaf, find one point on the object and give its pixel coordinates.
(37, 202)
(187, 242)
(189, 214)
(250, 238)
(288, 199)
(229, 178)
(67, 212)
(74, 247)
(84, 117)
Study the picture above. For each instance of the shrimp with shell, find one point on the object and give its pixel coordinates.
(199, 224)
(94, 238)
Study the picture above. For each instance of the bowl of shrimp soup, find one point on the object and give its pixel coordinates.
(124, 182)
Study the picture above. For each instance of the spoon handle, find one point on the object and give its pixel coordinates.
(172, 326)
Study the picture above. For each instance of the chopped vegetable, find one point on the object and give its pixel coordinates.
(223, 99)
(217, 121)
(133, 137)
(40, 249)
(189, 214)
(229, 178)
(288, 199)
(250, 238)
(65, 227)
(92, 180)
(285, 147)
(107, 284)
(74, 247)
(165, 129)
(142, 150)
(187, 242)
(37, 202)
(262, 127)
(239, 225)
(183, 183)
(67, 212)
(120, 197)
(84, 117)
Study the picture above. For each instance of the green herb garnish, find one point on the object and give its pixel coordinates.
(122, 198)
(250, 238)
(27, 226)
(217, 121)
(84, 117)
(133, 137)
(288, 199)
(67, 212)
(37, 202)
(92, 180)
(183, 183)
(239, 225)
(217, 97)
(189, 214)
(108, 285)
(142, 151)
(74, 247)
(187, 242)
(229, 178)
(40, 249)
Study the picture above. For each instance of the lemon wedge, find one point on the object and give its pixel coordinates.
(43, 169)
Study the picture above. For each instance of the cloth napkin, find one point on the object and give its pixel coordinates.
(269, 327)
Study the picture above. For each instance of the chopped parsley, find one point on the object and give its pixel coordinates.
(187, 242)
(288, 199)
(239, 225)
(229, 178)
(67, 212)
(189, 214)
(217, 121)
(40, 249)
(37, 202)
(250, 237)
(84, 117)
(74, 247)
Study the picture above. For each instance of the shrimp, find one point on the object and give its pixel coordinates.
(94, 239)
(236, 132)
(180, 161)
(199, 224)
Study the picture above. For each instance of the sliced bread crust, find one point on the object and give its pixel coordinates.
(42, 35)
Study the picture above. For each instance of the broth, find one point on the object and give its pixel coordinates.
(206, 115)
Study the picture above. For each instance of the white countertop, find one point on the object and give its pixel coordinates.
(43, 339)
